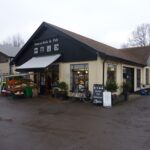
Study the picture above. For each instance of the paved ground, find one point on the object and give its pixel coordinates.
(45, 124)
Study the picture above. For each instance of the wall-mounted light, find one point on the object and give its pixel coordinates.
(112, 69)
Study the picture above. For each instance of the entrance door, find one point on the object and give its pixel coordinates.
(52, 77)
(42, 83)
(47, 79)
(128, 77)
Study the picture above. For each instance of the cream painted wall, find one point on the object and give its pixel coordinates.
(13, 67)
(143, 79)
(119, 77)
(4, 67)
(144, 76)
(95, 72)
(64, 73)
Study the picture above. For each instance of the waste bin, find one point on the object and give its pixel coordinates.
(28, 92)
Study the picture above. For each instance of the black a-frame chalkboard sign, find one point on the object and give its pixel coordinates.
(98, 90)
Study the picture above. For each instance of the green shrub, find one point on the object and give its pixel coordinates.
(63, 86)
(111, 86)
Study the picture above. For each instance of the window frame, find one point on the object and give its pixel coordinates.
(42, 49)
(147, 80)
(75, 77)
(115, 71)
(36, 50)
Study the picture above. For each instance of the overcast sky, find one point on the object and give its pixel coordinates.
(107, 21)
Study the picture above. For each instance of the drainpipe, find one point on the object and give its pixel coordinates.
(104, 70)
(105, 58)
(9, 65)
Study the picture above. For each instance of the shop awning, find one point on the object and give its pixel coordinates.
(38, 62)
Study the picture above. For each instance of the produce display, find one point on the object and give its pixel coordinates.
(18, 86)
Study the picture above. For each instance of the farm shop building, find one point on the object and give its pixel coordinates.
(55, 54)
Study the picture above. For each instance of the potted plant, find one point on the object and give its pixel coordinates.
(126, 89)
(111, 86)
(63, 86)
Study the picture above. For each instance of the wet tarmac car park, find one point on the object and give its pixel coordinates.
(49, 124)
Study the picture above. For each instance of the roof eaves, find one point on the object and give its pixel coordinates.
(30, 39)
(4, 54)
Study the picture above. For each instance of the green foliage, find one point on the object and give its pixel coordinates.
(111, 86)
(63, 86)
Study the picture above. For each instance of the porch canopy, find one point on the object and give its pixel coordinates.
(38, 62)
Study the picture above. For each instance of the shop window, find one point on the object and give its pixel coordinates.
(52, 75)
(49, 48)
(79, 77)
(56, 47)
(138, 78)
(147, 76)
(111, 72)
(35, 50)
(42, 49)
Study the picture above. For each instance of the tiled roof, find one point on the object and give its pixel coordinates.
(137, 55)
(8, 50)
(90, 42)
(132, 55)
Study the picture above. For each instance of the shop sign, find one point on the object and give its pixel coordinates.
(98, 90)
(46, 46)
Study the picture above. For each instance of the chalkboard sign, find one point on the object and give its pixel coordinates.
(98, 93)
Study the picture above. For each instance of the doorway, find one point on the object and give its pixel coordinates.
(128, 77)
(47, 79)
(52, 77)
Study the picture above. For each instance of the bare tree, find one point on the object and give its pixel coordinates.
(15, 41)
(7, 42)
(139, 37)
